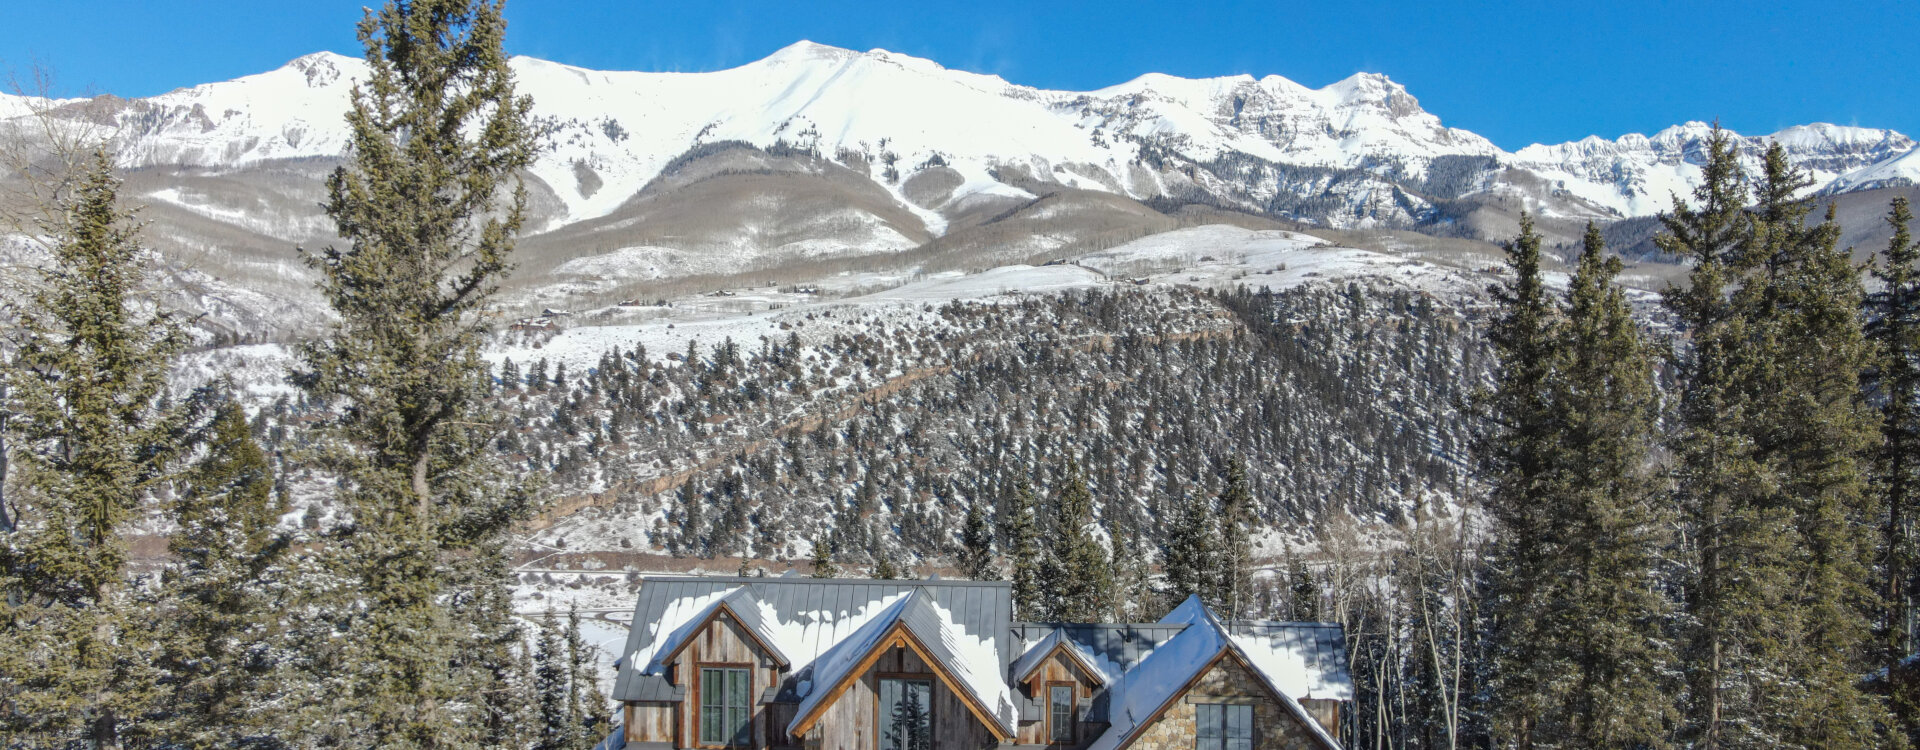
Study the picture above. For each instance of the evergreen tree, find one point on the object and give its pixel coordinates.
(1894, 327)
(586, 705)
(1614, 614)
(438, 138)
(217, 606)
(1190, 562)
(1770, 467)
(1079, 580)
(1233, 580)
(1516, 459)
(823, 564)
(976, 545)
(1303, 591)
(90, 434)
(552, 686)
(1815, 437)
(1023, 546)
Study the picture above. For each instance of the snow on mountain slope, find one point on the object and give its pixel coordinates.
(1638, 175)
(1903, 169)
(614, 131)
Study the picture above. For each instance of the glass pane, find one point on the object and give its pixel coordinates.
(1239, 721)
(1060, 698)
(906, 715)
(737, 718)
(710, 721)
(1207, 716)
(710, 687)
(737, 687)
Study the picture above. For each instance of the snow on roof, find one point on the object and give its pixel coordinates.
(1160, 677)
(1305, 659)
(1038, 652)
(683, 616)
(974, 662)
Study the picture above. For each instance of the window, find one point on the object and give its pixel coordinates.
(1060, 705)
(724, 707)
(906, 714)
(1223, 727)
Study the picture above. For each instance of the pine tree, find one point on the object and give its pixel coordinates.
(1303, 591)
(1516, 459)
(1894, 327)
(438, 140)
(216, 607)
(552, 686)
(1191, 558)
(1610, 605)
(976, 545)
(1078, 577)
(586, 705)
(90, 434)
(1023, 546)
(1233, 580)
(1815, 437)
(823, 564)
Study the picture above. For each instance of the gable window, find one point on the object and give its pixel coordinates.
(906, 714)
(724, 708)
(1223, 726)
(1060, 705)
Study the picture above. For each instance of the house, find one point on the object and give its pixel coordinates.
(848, 664)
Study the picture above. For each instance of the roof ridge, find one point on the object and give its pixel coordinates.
(910, 582)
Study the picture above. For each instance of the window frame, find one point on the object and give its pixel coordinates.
(700, 703)
(1222, 742)
(883, 714)
(1073, 708)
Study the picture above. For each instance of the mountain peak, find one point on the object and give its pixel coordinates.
(809, 51)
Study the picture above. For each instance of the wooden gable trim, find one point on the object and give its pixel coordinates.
(1178, 695)
(772, 653)
(1062, 649)
(899, 636)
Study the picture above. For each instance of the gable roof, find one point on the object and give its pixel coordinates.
(970, 665)
(1306, 659)
(1056, 641)
(1145, 691)
(800, 618)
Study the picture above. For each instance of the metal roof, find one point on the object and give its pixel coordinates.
(806, 616)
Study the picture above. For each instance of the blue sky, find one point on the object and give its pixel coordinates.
(1516, 72)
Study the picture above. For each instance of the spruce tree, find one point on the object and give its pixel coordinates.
(1023, 546)
(1233, 580)
(90, 434)
(1190, 561)
(823, 564)
(217, 605)
(976, 545)
(586, 705)
(429, 204)
(1078, 577)
(1894, 327)
(1815, 436)
(552, 686)
(1516, 458)
(1610, 520)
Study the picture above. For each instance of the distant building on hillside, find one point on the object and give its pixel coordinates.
(852, 664)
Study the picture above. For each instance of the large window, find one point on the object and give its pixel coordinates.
(724, 706)
(1060, 705)
(906, 714)
(1223, 727)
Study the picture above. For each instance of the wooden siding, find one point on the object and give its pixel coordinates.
(723, 642)
(1057, 668)
(852, 721)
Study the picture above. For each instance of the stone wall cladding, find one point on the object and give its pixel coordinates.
(1274, 728)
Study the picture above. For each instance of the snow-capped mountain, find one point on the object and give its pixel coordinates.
(817, 153)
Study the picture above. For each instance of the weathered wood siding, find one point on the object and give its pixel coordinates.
(1058, 668)
(1274, 727)
(852, 721)
(724, 642)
